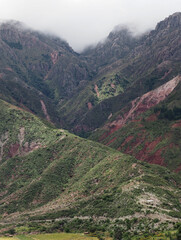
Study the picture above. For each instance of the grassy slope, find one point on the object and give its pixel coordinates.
(69, 176)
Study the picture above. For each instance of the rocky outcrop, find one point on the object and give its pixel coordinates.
(20, 147)
(3, 141)
(45, 110)
(54, 57)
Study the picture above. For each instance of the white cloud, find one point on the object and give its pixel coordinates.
(82, 22)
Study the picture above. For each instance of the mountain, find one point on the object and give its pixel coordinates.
(152, 62)
(37, 70)
(148, 127)
(116, 46)
(80, 91)
(48, 173)
(123, 93)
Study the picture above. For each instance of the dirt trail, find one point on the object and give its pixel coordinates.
(97, 90)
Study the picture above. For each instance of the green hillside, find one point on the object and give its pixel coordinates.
(64, 176)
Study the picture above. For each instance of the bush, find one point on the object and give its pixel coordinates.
(178, 236)
(117, 235)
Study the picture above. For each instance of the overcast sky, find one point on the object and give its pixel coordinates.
(84, 22)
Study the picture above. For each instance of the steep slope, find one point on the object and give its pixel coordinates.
(149, 127)
(79, 92)
(154, 59)
(116, 46)
(52, 173)
(37, 70)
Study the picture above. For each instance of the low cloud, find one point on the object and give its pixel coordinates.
(84, 22)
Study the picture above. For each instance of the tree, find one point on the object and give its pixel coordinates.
(179, 233)
(117, 235)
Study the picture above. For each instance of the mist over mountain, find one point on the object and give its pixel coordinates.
(83, 23)
(91, 137)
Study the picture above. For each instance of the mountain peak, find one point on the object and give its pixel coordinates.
(171, 22)
(176, 14)
(119, 31)
(12, 24)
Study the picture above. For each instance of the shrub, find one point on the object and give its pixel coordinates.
(117, 235)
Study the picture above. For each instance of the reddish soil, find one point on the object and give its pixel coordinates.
(113, 86)
(178, 124)
(141, 105)
(153, 144)
(14, 150)
(111, 141)
(112, 129)
(156, 158)
(128, 139)
(138, 106)
(145, 153)
(54, 57)
(1, 75)
(9, 69)
(178, 169)
(152, 118)
(89, 104)
(96, 90)
(166, 74)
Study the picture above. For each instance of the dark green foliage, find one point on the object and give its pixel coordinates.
(170, 114)
(16, 45)
(11, 231)
(118, 234)
(178, 233)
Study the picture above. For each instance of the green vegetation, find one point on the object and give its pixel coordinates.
(57, 236)
(53, 181)
(16, 45)
(60, 175)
